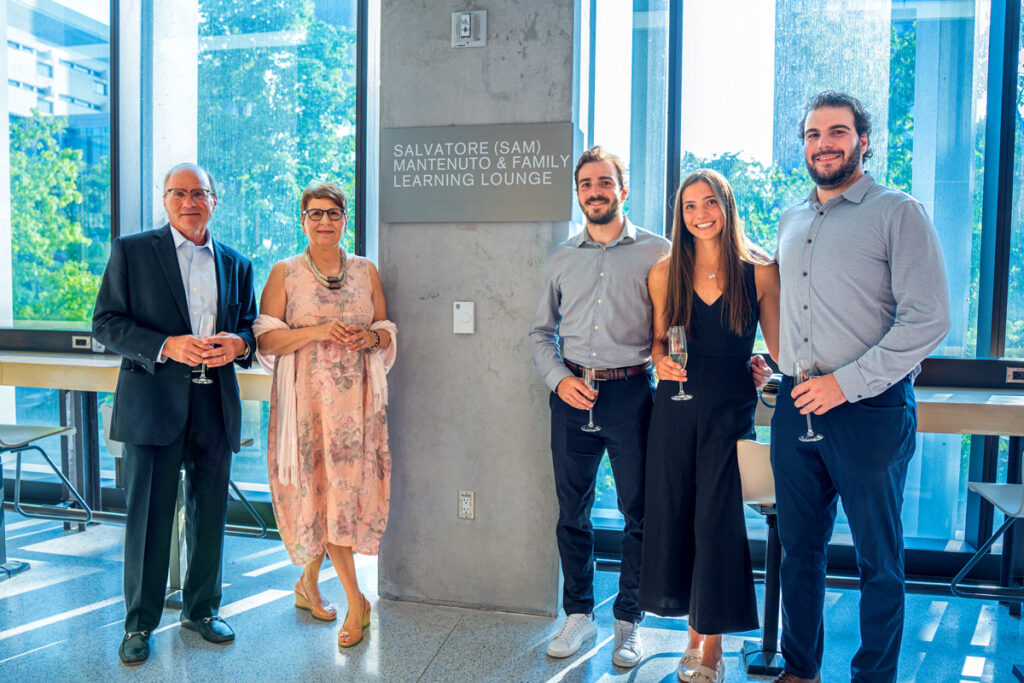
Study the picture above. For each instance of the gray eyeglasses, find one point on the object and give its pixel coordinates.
(316, 215)
(198, 195)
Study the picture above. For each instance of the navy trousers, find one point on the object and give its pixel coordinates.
(151, 484)
(863, 460)
(623, 411)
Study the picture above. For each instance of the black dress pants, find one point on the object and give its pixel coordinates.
(622, 410)
(152, 474)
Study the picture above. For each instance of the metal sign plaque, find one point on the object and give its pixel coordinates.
(477, 174)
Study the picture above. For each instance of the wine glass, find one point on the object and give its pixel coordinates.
(206, 325)
(591, 381)
(804, 372)
(677, 352)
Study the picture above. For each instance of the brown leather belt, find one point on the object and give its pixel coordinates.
(606, 374)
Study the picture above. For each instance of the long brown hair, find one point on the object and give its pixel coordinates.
(734, 249)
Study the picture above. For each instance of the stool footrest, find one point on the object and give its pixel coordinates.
(59, 512)
(757, 662)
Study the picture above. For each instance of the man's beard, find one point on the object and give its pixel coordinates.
(605, 217)
(839, 176)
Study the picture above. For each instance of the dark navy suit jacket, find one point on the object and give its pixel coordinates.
(141, 302)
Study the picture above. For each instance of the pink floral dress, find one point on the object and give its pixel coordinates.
(344, 478)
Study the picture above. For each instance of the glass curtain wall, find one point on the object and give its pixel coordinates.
(262, 93)
(1015, 298)
(627, 105)
(55, 182)
(58, 200)
(921, 70)
(275, 111)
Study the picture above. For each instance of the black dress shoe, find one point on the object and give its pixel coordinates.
(213, 629)
(134, 648)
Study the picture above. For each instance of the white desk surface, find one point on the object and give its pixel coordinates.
(939, 410)
(97, 373)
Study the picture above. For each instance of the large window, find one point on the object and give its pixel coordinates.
(58, 208)
(276, 111)
(54, 186)
(262, 93)
(625, 101)
(921, 69)
(1015, 303)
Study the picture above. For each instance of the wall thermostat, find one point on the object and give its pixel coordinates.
(464, 317)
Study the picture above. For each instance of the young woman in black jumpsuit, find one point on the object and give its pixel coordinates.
(718, 286)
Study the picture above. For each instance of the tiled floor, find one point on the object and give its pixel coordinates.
(62, 621)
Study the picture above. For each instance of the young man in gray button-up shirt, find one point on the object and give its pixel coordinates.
(863, 301)
(595, 302)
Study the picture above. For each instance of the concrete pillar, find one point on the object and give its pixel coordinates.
(469, 412)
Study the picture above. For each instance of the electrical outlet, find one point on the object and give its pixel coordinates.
(466, 505)
(1015, 375)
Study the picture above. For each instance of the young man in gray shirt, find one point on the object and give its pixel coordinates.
(863, 301)
(595, 312)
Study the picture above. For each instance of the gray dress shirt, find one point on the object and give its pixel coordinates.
(596, 303)
(864, 291)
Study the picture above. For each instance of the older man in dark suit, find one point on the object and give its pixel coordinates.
(157, 287)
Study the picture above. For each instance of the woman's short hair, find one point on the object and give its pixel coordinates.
(330, 191)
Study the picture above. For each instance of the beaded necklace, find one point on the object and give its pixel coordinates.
(328, 281)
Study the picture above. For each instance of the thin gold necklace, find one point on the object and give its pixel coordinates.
(328, 281)
(711, 276)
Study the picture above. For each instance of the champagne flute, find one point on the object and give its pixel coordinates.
(591, 381)
(804, 372)
(206, 325)
(677, 352)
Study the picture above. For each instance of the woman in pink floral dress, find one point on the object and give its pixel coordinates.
(324, 322)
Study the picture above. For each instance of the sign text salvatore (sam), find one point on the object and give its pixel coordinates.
(500, 173)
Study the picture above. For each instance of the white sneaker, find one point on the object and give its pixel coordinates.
(688, 664)
(627, 650)
(705, 674)
(575, 629)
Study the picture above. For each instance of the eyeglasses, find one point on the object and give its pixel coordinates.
(198, 194)
(318, 214)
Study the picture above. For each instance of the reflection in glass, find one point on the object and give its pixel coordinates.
(58, 72)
